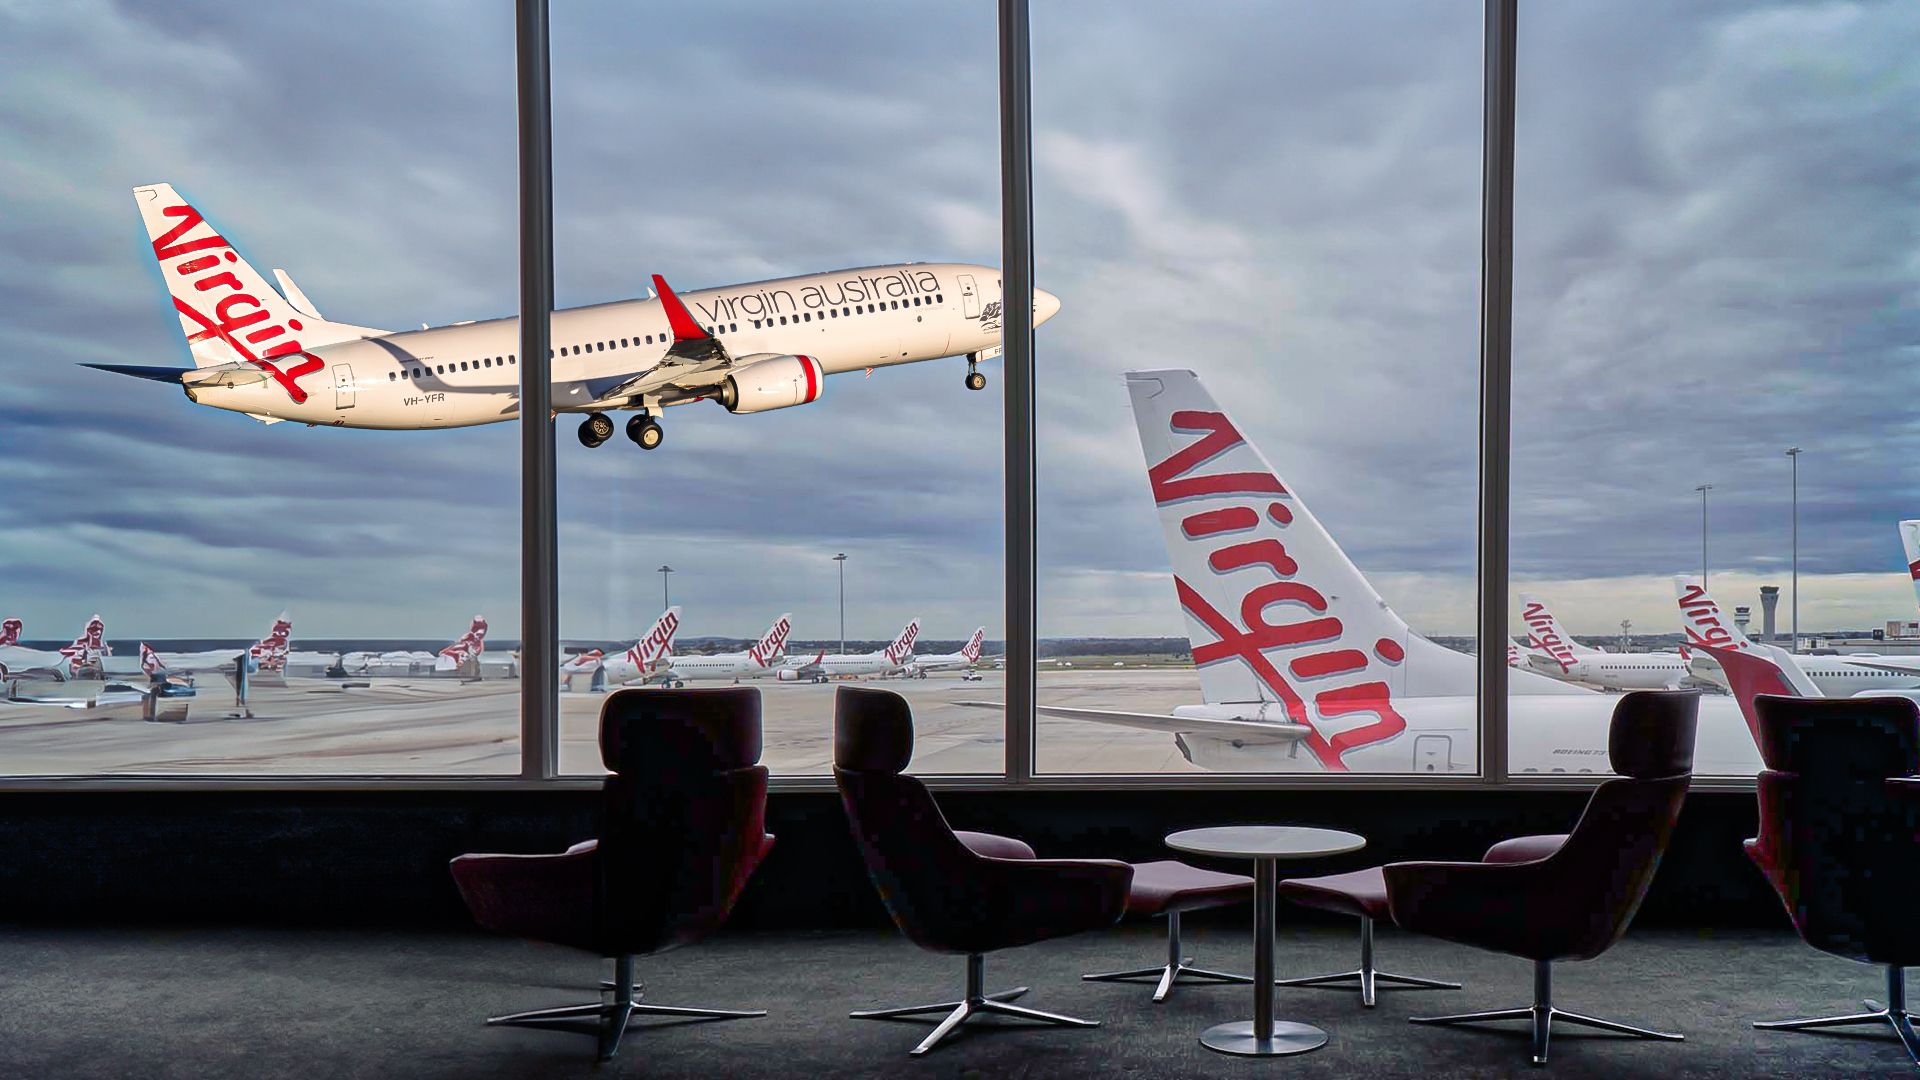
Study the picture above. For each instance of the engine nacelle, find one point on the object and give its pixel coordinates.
(787, 674)
(778, 383)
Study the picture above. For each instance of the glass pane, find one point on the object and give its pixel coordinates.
(1285, 201)
(1715, 264)
(161, 165)
(839, 439)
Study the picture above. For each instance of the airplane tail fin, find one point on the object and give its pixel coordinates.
(87, 648)
(10, 630)
(1547, 633)
(270, 652)
(1700, 616)
(150, 662)
(971, 650)
(902, 646)
(773, 644)
(652, 650)
(1910, 543)
(468, 648)
(1757, 668)
(228, 312)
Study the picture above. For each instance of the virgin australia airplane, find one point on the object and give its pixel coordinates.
(752, 348)
(826, 666)
(1562, 656)
(760, 661)
(1303, 666)
(68, 662)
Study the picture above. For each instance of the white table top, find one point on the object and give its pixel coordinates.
(1265, 841)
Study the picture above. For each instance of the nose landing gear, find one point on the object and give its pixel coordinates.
(976, 380)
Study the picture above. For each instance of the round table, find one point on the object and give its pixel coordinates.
(1266, 845)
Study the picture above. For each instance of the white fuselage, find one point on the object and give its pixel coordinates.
(847, 664)
(729, 666)
(1616, 671)
(952, 661)
(468, 373)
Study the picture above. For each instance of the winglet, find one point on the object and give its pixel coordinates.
(684, 328)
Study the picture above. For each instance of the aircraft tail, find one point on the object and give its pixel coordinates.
(467, 649)
(1548, 635)
(1700, 616)
(773, 644)
(10, 630)
(1757, 668)
(971, 650)
(270, 652)
(151, 663)
(228, 312)
(1910, 543)
(652, 650)
(87, 648)
(902, 646)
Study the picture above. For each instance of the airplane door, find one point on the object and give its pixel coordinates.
(969, 297)
(1433, 754)
(342, 386)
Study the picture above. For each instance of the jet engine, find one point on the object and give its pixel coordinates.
(777, 383)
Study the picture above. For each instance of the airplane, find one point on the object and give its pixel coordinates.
(759, 661)
(969, 655)
(647, 657)
(267, 654)
(466, 654)
(823, 667)
(1303, 667)
(84, 656)
(754, 347)
(1561, 656)
(1834, 676)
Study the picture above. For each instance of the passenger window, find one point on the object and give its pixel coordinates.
(733, 328)
(832, 314)
(807, 316)
(439, 369)
(623, 343)
(783, 320)
(391, 377)
(463, 365)
(848, 312)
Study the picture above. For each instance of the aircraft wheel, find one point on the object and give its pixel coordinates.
(645, 433)
(976, 380)
(595, 429)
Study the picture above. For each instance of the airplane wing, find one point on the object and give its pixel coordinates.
(1242, 731)
(692, 365)
(1879, 663)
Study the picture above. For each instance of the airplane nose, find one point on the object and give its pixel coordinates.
(1045, 304)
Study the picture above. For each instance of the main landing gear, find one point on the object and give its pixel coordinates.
(597, 428)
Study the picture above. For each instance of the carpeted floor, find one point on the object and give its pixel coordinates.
(216, 1003)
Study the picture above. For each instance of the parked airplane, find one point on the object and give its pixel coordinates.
(1339, 683)
(824, 667)
(647, 657)
(1835, 676)
(83, 657)
(759, 661)
(969, 655)
(267, 654)
(467, 655)
(1561, 656)
(754, 347)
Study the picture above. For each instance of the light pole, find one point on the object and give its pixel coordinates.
(1703, 489)
(665, 601)
(842, 560)
(1793, 455)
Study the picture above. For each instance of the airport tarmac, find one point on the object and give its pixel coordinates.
(427, 726)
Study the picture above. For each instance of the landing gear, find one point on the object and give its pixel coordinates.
(595, 429)
(975, 379)
(645, 432)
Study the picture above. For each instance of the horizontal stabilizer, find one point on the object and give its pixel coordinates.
(153, 374)
(1243, 731)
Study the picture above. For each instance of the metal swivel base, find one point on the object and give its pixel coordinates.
(1894, 1015)
(1176, 968)
(1543, 1015)
(1366, 975)
(976, 1003)
(609, 1020)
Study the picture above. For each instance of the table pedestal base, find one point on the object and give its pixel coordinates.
(1238, 1038)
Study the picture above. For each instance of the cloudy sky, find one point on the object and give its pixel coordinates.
(1717, 257)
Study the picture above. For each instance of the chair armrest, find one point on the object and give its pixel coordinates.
(1035, 899)
(545, 897)
(1525, 848)
(1477, 903)
(994, 847)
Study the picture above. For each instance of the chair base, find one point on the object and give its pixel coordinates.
(609, 1020)
(1543, 1014)
(1894, 1014)
(1366, 974)
(1176, 968)
(976, 1003)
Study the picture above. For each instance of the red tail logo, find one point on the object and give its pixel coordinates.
(657, 644)
(150, 661)
(10, 631)
(1705, 625)
(971, 650)
(1316, 638)
(769, 647)
(903, 644)
(471, 644)
(233, 311)
(1545, 638)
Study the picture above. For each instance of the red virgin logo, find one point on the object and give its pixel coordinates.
(233, 309)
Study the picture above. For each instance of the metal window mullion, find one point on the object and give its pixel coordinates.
(1016, 262)
(539, 561)
(1496, 380)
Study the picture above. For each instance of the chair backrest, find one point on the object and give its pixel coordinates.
(682, 817)
(911, 852)
(1605, 867)
(1840, 848)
